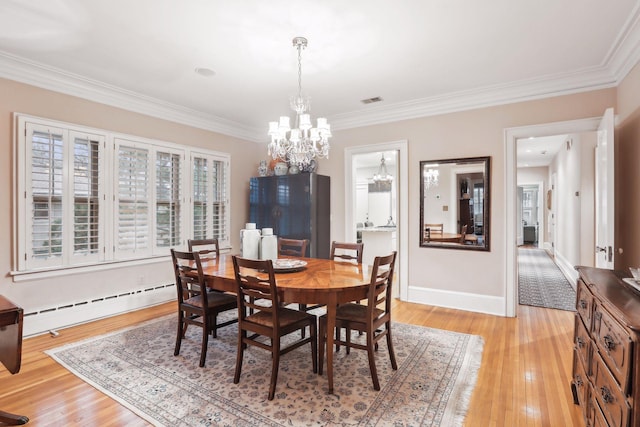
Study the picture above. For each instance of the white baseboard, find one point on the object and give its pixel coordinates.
(567, 269)
(458, 300)
(75, 313)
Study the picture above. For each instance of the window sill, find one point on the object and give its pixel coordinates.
(22, 276)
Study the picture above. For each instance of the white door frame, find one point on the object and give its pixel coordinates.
(402, 221)
(511, 137)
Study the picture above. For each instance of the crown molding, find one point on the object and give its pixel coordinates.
(488, 96)
(36, 74)
(621, 58)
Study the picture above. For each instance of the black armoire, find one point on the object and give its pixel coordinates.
(295, 206)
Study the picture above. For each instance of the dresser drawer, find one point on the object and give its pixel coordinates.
(584, 303)
(607, 394)
(597, 418)
(614, 344)
(580, 380)
(582, 342)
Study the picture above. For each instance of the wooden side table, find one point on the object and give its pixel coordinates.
(11, 349)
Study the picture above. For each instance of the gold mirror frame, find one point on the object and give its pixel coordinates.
(460, 197)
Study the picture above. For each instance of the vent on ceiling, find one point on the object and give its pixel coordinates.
(371, 100)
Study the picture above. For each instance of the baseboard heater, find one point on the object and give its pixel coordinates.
(62, 316)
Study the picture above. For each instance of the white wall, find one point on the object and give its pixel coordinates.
(468, 280)
(575, 211)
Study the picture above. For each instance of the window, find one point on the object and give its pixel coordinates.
(210, 198)
(87, 196)
(168, 199)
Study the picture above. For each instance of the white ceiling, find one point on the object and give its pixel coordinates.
(536, 152)
(423, 57)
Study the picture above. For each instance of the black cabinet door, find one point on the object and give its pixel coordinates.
(295, 206)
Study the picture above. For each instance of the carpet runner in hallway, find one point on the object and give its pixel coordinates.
(541, 283)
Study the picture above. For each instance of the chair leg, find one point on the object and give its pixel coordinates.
(348, 332)
(392, 353)
(275, 363)
(372, 361)
(214, 326)
(303, 308)
(179, 335)
(205, 341)
(322, 339)
(313, 331)
(239, 356)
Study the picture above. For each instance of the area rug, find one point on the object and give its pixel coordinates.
(436, 374)
(541, 283)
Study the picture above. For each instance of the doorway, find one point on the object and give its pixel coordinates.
(387, 207)
(512, 136)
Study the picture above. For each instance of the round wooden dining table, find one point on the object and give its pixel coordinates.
(321, 281)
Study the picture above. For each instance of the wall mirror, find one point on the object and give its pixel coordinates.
(454, 203)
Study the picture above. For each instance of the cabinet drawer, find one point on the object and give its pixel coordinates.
(608, 395)
(614, 344)
(597, 418)
(594, 418)
(584, 303)
(580, 380)
(582, 342)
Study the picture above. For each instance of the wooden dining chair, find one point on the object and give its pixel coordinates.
(197, 306)
(292, 247)
(345, 251)
(463, 233)
(256, 281)
(373, 319)
(208, 248)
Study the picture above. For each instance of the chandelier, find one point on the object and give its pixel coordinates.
(382, 175)
(430, 177)
(303, 143)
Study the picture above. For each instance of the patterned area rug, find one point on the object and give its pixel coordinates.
(541, 283)
(436, 374)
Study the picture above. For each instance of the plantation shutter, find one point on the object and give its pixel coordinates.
(44, 196)
(132, 206)
(88, 242)
(168, 199)
(210, 198)
(220, 202)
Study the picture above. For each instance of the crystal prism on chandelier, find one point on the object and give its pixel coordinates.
(303, 143)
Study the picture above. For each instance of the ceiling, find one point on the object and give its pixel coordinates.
(540, 151)
(422, 57)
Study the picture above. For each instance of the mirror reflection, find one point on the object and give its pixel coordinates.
(454, 203)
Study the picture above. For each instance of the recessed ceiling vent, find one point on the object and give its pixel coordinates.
(371, 100)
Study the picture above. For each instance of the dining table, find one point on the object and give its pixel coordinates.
(318, 281)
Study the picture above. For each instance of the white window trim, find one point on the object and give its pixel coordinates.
(108, 213)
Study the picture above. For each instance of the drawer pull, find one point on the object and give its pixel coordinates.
(606, 395)
(609, 344)
(579, 381)
(583, 304)
(580, 342)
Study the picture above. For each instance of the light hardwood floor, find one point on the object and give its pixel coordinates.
(524, 379)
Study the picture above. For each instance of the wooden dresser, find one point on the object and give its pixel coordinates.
(606, 360)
